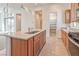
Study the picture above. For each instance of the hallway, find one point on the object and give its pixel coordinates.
(54, 47)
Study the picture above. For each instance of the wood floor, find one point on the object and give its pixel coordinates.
(54, 47)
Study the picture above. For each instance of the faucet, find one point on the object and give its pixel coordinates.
(29, 29)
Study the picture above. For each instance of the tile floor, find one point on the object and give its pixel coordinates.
(54, 47)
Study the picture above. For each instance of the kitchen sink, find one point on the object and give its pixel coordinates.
(32, 32)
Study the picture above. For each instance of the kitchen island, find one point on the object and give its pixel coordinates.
(26, 44)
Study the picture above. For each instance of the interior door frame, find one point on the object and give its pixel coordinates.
(41, 21)
(49, 19)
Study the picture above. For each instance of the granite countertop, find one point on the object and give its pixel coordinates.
(21, 35)
(73, 41)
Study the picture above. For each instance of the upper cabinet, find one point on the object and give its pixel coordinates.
(74, 7)
(73, 19)
(67, 16)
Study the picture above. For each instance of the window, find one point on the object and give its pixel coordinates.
(1, 22)
(7, 21)
(10, 23)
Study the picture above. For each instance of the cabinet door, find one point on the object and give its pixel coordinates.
(15, 47)
(73, 13)
(67, 16)
(36, 45)
(44, 36)
(23, 49)
(73, 49)
(18, 47)
(41, 40)
(63, 36)
(76, 5)
(30, 47)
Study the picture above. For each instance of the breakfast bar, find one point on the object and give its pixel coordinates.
(26, 43)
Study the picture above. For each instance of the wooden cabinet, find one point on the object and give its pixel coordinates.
(67, 16)
(73, 49)
(23, 48)
(39, 41)
(30, 47)
(14, 47)
(73, 13)
(65, 38)
(74, 6)
(18, 47)
(36, 45)
(44, 37)
(67, 41)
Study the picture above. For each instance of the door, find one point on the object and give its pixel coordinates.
(38, 19)
(52, 21)
(18, 22)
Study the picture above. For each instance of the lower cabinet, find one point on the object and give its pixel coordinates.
(18, 47)
(36, 45)
(23, 48)
(73, 49)
(29, 47)
(65, 38)
(39, 41)
(44, 37)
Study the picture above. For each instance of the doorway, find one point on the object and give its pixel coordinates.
(52, 21)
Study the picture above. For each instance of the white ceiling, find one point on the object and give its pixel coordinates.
(32, 4)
